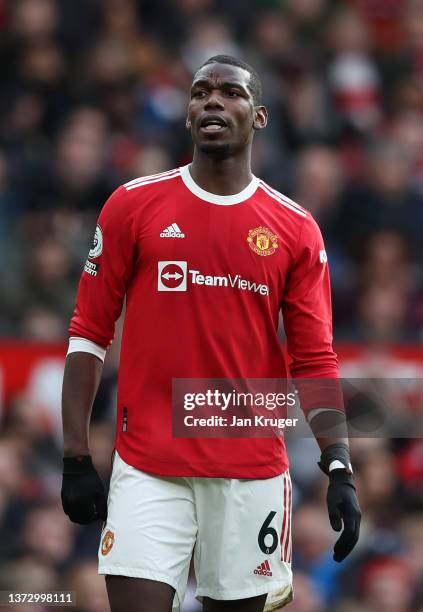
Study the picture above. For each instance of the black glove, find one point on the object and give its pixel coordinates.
(342, 502)
(83, 495)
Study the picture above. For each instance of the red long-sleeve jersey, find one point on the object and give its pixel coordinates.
(205, 277)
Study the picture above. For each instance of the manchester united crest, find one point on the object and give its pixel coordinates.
(262, 241)
(107, 542)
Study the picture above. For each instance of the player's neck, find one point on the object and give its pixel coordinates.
(221, 176)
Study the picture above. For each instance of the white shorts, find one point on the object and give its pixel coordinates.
(239, 530)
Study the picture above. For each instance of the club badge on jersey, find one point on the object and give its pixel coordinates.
(262, 241)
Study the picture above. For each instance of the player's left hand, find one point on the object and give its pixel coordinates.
(344, 511)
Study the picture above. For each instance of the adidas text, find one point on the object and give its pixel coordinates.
(263, 569)
(172, 231)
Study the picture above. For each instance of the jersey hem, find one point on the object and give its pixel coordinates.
(202, 470)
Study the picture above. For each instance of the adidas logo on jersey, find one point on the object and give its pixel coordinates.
(173, 231)
(263, 569)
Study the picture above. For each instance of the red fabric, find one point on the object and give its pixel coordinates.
(205, 331)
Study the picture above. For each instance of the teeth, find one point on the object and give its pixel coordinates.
(213, 126)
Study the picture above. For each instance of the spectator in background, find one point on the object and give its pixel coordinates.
(47, 535)
(375, 471)
(42, 325)
(207, 38)
(319, 181)
(385, 199)
(307, 598)
(312, 542)
(34, 19)
(46, 285)
(90, 588)
(80, 157)
(353, 76)
(11, 472)
(411, 530)
(386, 585)
(387, 292)
(28, 574)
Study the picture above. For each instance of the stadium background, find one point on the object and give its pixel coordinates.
(92, 94)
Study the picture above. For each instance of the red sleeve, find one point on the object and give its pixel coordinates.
(307, 309)
(107, 272)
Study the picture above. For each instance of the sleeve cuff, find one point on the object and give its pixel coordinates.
(313, 413)
(82, 345)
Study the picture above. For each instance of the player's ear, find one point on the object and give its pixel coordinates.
(260, 117)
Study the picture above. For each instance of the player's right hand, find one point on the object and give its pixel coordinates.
(83, 495)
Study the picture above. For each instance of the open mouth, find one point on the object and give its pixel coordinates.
(213, 124)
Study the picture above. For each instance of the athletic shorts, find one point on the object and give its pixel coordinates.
(238, 530)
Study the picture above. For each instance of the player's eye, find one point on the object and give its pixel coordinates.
(200, 93)
(232, 93)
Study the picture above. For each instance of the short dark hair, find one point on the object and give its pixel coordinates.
(255, 82)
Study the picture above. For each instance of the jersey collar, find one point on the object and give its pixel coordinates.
(214, 198)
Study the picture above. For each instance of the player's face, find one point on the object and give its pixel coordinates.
(221, 112)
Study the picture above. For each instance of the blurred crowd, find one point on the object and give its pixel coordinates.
(94, 93)
(41, 550)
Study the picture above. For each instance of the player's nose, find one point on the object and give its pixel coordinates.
(214, 100)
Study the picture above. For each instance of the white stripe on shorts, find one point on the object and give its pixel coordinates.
(286, 545)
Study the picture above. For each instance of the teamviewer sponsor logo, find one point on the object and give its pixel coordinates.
(172, 276)
(236, 281)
